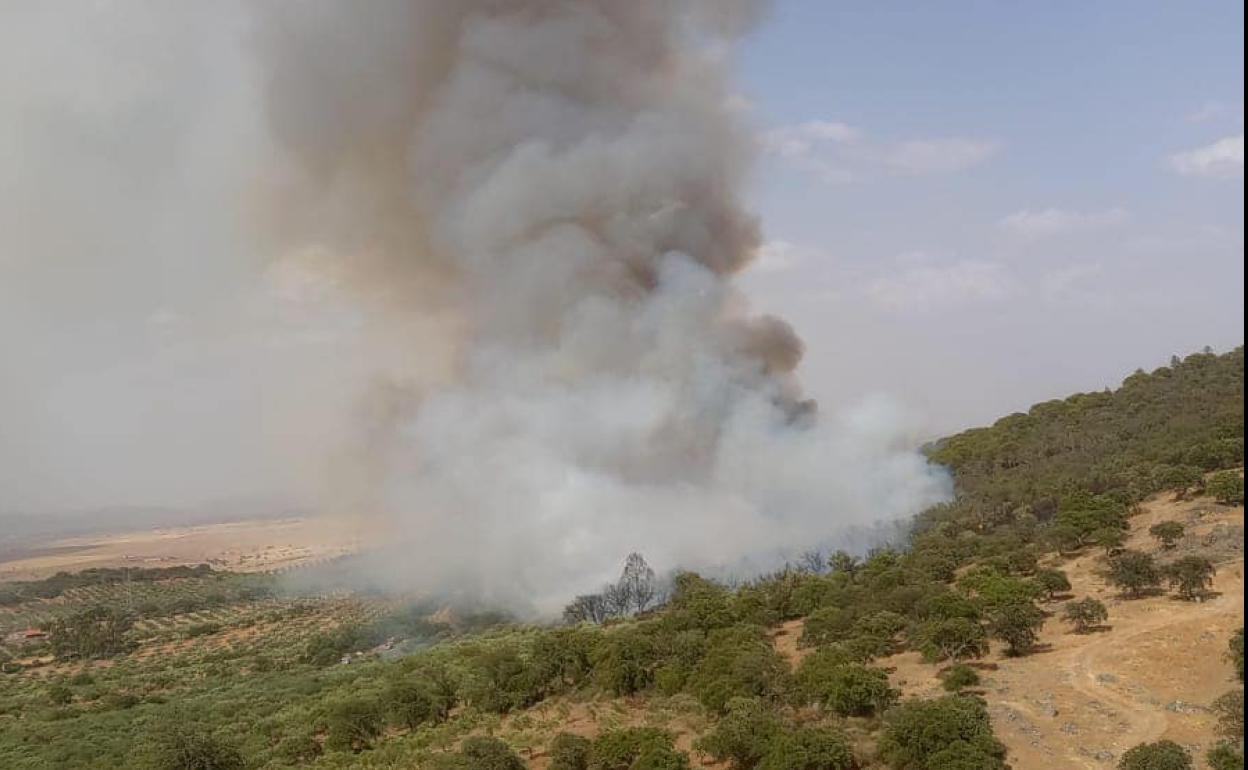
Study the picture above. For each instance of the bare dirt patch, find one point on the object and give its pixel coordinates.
(241, 546)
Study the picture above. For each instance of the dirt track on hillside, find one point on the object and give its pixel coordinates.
(1085, 699)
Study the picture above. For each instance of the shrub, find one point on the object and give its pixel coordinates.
(953, 638)
(810, 749)
(563, 658)
(1086, 614)
(1229, 708)
(1108, 538)
(1168, 533)
(499, 681)
(948, 605)
(625, 660)
(413, 703)
(1225, 756)
(917, 731)
(959, 677)
(353, 724)
(1018, 625)
(1053, 581)
(961, 755)
(743, 735)
(1134, 573)
(1227, 487)
(181, 744)
(851, 690)
(484, 753)
(618, 749)
(1162, 755)
(660, 758)
(827, 625)
(569, 752)
(94, 632)
(698, 603)
(60, 695)
(739, 661)
(1191, 576)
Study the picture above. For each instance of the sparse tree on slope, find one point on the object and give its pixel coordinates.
(1191, 576)
(1134, 573)
(1168, 533)
(1162, 755)
(1086, 614)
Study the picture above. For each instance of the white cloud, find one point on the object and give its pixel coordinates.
(933, 156)
(803, 140)
(838, 152)
(1054, 221)
(923, 287)
(1224, 159)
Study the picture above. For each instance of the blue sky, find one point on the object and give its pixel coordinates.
(973, 206)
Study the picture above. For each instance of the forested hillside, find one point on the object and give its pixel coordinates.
(795, 670)
(1159, 430)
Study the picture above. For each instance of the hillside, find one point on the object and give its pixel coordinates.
(948, 652)
(1158, 430)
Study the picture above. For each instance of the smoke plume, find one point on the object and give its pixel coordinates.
(518, 222)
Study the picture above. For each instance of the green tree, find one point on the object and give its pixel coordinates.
(1110, 539)
(739, 661)
(827, 625)
(1191, 576)
(1086, 614)
(959, 677)
(1179, 479)
(1134, 573)
(625, 661)
(487, 753)
(1053, 581)
(94, 632)
(851, 690)
(917, 731)
(1227, 487)
(810, 749)
(1018, 625)
(411, 703)
(500, 681)
(620, 749)
(952, 638)
(1162, 755)
(1168, 533)
(60, 695)
(570, 752)
(353, 724)
(1229, 708)
(179, 743)
(743, 735)
(1225, 756)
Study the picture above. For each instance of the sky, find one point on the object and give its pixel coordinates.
(967, 207)
(976, 206)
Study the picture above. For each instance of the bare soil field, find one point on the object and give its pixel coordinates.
(241, 546)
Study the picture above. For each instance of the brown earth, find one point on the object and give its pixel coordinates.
(242, 546)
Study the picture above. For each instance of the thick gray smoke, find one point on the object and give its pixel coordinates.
(525, 215)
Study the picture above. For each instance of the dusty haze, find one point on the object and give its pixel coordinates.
(465, 268)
